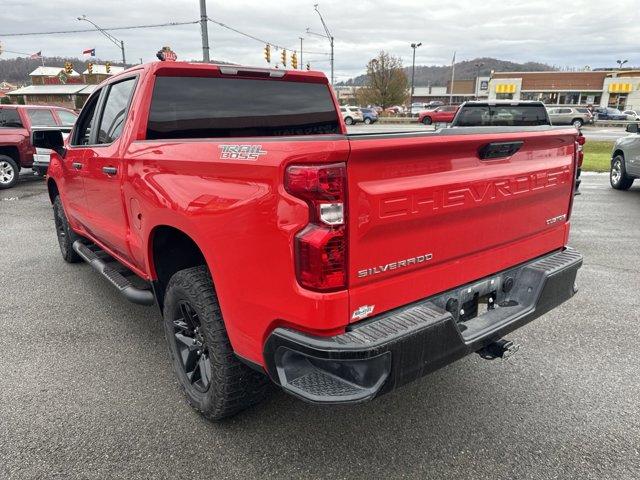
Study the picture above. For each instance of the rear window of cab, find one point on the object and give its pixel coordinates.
(212, 107)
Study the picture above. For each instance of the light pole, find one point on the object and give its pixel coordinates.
(621, 63)
(413, 74)
(327, 35)
(478, 67)
(113, 39)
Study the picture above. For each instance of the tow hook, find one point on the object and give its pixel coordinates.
(502, 348)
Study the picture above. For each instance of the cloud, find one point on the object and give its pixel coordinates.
(564, 33)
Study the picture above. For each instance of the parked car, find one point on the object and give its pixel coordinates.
(351, 115)
(501, 113)
(369, 115)
(442, 114)
(575, 116)
(608, 113)
(396, 109)
(16, 124)
(625, 159)
(633, 115)
(512, 114)
(321, 260)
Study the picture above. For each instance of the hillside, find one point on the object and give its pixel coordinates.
(439, 75)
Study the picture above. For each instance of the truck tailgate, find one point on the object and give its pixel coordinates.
(427, 213)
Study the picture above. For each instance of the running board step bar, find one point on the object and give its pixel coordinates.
(117, 279)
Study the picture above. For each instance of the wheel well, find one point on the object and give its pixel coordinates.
(11, 152)
(616, 153)
(52, 187)
(577, 119)
(172, 250)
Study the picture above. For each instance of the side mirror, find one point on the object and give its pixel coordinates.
(632, 128)
(50, 139)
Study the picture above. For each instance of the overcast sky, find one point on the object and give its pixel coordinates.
(559, 32)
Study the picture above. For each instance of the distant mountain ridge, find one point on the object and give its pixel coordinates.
(439, 75)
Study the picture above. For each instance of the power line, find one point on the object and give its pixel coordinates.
(85, 30)
(257, 39)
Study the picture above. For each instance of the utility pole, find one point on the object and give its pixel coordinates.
(204, 29)
(301, 39)
(453, 77)
(478, 67)
(114, 40)
(327, 35)
(413, 74)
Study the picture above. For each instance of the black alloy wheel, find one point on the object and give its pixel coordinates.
(191, 346)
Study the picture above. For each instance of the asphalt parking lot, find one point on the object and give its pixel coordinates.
(86, 389)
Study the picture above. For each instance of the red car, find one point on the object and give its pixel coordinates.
(16, 123)
(277, 246)
(443, 114)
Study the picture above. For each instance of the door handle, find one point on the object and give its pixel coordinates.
(77, 165)
(109, 170)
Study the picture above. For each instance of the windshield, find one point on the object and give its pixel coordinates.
(501, 115)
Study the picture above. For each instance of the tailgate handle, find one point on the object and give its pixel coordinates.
(499, 150)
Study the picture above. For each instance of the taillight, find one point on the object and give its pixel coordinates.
(321, 247)
(579, 149)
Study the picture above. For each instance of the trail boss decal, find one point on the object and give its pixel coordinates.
(394, 265)
(241, 152)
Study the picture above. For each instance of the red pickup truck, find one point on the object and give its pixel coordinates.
(279, 246)
(16, 123)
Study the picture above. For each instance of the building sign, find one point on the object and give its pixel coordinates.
(484, 85)
(62, 79)
(620, 87)
(506, 88)
(167, 55)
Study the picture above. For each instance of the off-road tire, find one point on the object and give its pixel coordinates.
(66, 236)
(623, 181)
(233, 386)
(9, 172)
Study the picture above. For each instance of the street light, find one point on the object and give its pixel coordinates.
(113, 39)
(478, 67)
(621, 63)
(327, 35)
(413, 74)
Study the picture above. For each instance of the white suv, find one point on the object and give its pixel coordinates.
(351, 115)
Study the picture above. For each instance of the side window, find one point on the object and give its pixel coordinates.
(86, 120)
(114, 112)
(41, 117)
(67, 118)
(10, 118)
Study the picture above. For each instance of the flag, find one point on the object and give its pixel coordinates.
(36, 55)
(91, 52)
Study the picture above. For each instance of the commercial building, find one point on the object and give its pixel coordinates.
(606, 88)
(54, 86)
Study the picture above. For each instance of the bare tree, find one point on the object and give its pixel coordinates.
(386, 83)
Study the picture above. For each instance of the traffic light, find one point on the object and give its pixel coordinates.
(283, 57)
(68, 67)
(294, 60)
(107, 67)
(89, 68)
(267, 53)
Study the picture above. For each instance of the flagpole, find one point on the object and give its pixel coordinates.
(453, 76)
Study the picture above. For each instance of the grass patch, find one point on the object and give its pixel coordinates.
(597, 156)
